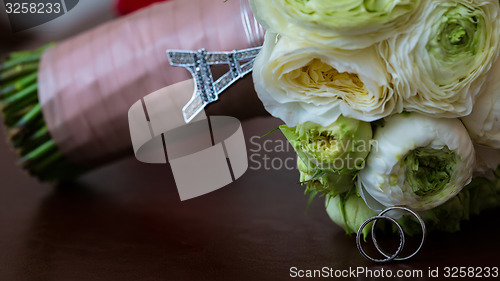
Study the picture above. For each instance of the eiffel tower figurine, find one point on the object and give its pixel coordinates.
(199, 62)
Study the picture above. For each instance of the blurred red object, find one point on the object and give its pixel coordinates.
(124, 7)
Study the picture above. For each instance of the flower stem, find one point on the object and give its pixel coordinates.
(26, 127)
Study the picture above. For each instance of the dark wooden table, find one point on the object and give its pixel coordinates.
(125, 222)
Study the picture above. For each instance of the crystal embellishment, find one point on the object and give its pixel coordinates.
(206, 89)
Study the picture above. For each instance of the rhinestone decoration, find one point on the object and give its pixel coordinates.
(198, 63)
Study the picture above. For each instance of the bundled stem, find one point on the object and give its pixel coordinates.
(22, 114)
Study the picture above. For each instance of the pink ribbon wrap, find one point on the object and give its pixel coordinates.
(88, 83)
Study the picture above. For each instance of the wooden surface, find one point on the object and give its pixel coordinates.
(126, 222)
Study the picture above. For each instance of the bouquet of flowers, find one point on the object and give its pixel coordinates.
(65, 105)
(387, 103)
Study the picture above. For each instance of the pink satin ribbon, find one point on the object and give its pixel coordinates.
(88, 83)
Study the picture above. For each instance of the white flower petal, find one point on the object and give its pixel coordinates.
(483, 123)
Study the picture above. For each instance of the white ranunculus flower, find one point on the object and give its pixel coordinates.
(439, 65)
(346, 24)
(298, 82)
(483, 123)
(418, 162)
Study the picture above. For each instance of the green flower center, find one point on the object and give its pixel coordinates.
(318, 75)
(456, 40)
(428, 171)
(458, 35)
(323, 145)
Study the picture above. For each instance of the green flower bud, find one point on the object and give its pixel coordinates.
(324, 182)
(349, 211)
(340, 147)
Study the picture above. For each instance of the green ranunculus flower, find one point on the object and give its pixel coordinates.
(347, 24)
(340, 147)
